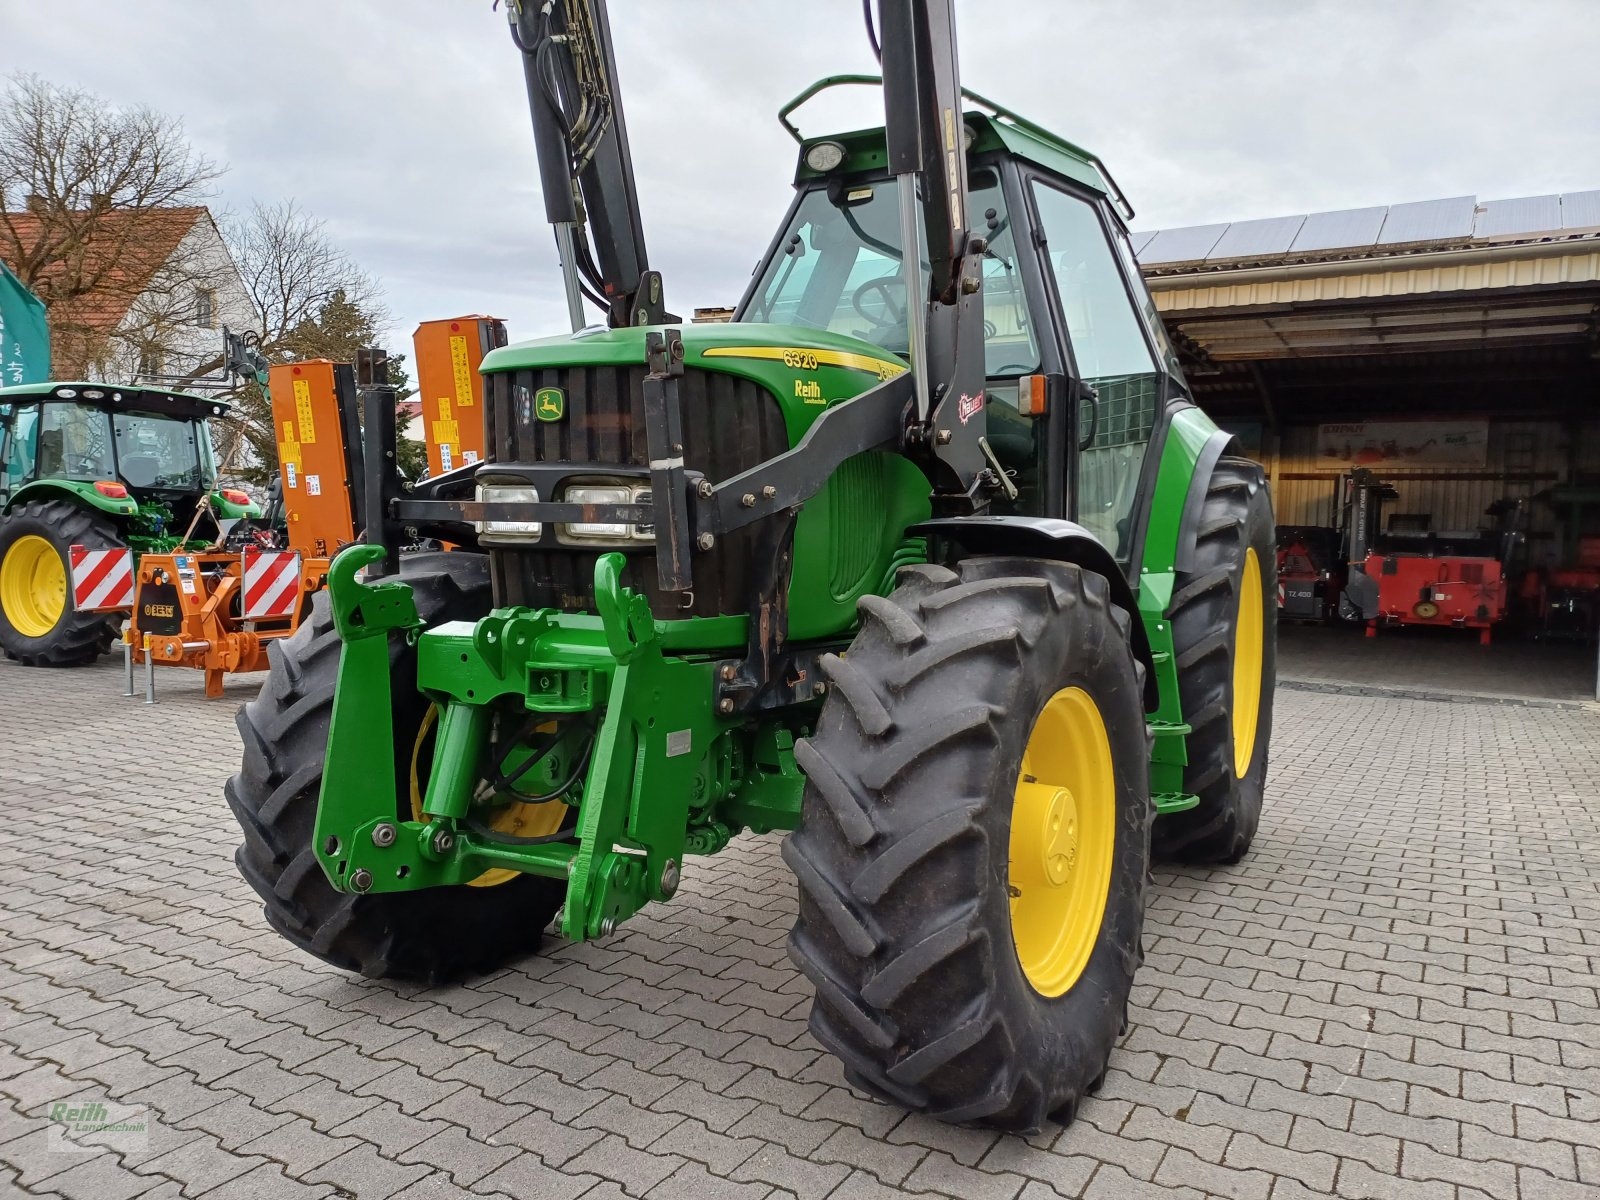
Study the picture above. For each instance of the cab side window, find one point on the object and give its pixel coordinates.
(1112, 355)
(16, 455)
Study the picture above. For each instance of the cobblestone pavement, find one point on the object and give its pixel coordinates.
(1395, 995)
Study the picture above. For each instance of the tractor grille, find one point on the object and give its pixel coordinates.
(729, 425)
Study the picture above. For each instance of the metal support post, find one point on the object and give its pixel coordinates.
(569, 274)
(149, 673)
(127, 663)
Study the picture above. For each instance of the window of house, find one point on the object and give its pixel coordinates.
(151, 361)
(205, 308)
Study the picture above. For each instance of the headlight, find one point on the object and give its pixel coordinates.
(596, 495)
(616, 491)
(824, 156)
(508, 531)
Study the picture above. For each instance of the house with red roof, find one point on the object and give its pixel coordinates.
(133, 294)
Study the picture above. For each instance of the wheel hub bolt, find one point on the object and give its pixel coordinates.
(383, 835)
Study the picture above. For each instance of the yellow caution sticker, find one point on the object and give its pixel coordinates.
(462, 370)
(289, 454)
(445, 432)
(302, 409)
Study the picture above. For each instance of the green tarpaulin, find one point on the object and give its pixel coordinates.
(24, 333)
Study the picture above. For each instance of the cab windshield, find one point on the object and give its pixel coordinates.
(838, 268)
(144, 450)
(159, 452)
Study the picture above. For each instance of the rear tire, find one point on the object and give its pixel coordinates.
(1205, 615)
(905, 858)
(431, 935)
(76, 638)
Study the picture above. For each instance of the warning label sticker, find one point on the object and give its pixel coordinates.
(289, 453)
(444, 456)
(461, 369)
(302, 409)
(313, 485)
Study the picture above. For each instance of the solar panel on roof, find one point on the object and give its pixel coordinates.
(1140, 240)
(1524, 215)
(1348, 228)
(1190, 244)
(1257, 239)
(1580, 210)
(1429, 221)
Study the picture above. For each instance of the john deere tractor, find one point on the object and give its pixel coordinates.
(102, 467)
(927, 558)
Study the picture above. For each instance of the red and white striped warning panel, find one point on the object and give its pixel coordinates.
(271, 583)
(101, 579)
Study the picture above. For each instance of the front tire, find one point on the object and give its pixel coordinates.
(933, 816)
(1225, 636)
(431, 935)
(38, 625)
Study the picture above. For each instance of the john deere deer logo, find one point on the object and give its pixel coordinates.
(550, 404)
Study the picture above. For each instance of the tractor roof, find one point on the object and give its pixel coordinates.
(115, 397)
(991, 126)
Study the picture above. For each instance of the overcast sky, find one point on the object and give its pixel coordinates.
(403, 124)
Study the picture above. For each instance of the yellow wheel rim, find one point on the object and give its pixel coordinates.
(515, 819)
(1063, 832)
(1249, 639)
(33, 586)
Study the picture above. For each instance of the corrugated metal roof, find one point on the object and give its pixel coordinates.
(1453, 221)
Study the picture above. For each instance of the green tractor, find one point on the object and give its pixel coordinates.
(928, 558)
(101, 467)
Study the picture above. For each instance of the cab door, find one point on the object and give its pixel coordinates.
(1113, 354)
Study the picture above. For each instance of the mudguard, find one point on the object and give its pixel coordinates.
(1054, 538)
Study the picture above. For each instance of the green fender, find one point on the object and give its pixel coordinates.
(228, 511)
(72, 489)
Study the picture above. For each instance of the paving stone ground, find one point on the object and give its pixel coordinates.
(1394, 995)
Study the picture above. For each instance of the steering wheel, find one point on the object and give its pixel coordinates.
(896, 310)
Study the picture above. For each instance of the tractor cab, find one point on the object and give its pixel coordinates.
(1062, 300)
(135, 453)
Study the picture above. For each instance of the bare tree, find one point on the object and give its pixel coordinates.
(314, 301)
(291, 268)
(86, 198)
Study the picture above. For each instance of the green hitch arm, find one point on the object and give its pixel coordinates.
(358, 774)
